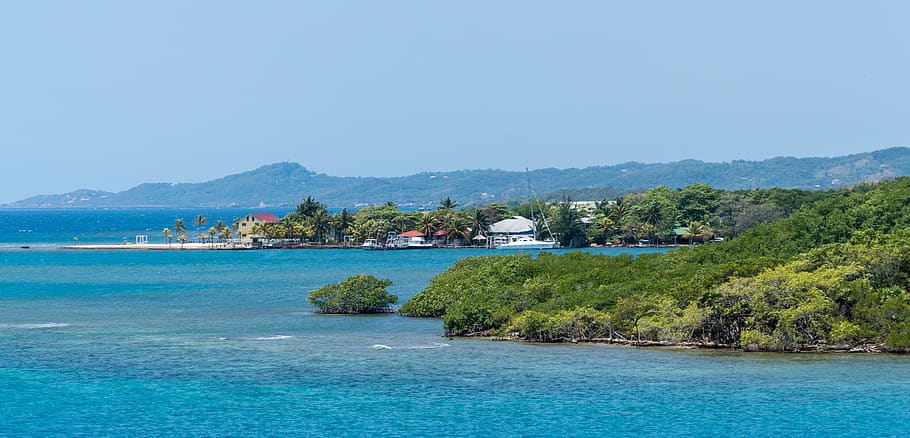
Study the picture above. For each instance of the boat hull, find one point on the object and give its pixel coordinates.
(529, 245)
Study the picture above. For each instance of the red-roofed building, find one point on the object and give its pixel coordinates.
(245, 225)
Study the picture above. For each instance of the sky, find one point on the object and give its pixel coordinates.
(107, 95)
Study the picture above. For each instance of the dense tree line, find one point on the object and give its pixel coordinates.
(833, 269)
(655, 215)
(312, 222)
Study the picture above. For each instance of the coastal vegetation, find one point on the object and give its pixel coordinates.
(657, 216)
(360, 293)
(799, 271)
(312, 223)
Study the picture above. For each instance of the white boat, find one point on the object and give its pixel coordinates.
(525, 241)
(370, 244)
(528, 242)
(417, 242)
(394, 241)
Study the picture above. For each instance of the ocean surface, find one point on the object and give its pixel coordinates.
(223, 343)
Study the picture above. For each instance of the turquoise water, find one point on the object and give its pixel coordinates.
(126, 343)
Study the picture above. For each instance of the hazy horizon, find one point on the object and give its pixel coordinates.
(105, 96)
(430, 171)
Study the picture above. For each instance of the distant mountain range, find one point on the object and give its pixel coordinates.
(285, 184)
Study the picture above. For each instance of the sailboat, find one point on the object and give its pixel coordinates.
(531, 242)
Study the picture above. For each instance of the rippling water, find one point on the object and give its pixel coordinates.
(224, 343)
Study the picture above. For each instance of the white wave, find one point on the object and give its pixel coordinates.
(432, 346)
(272, 338)
(381, 347)
(34, 326)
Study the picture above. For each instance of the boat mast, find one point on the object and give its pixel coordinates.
(531, 191)
(542, 215)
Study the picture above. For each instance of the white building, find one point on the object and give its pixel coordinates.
(505, 230)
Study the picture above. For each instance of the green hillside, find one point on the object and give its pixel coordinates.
(285, 184)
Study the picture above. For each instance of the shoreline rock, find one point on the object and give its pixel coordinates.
(859, 348)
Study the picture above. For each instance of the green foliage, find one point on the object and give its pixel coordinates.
(566, 224)
(834, 272)
(583, 323)
(361, 293)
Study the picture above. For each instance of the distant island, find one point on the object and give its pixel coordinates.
(283, 185)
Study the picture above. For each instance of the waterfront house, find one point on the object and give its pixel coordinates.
(244, 226)
(510, 229)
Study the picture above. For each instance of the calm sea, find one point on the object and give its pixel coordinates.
(223, 343)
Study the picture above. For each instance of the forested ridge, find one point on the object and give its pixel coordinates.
(832, 275)
(282, 185)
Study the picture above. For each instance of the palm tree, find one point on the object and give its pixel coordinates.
(426, 224)
(618, 211)
(319, 224)
(225, 232)
(381, 227)
(603, 206)
(309, 206)
(653, 215)
(456, 226)
(341, 223)
(179, 226)
(180, 231)
(266, 229)
(630, 229)
(287, 225)
(480, 223)
(603, 226)
(219, 227)
(567, 224)
(167, 236)
(697, 230)
(447, 204)
(646, 229)
(199, 222)
(364, 230)
(212, 232)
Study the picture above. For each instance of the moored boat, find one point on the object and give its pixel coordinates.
(528, 242)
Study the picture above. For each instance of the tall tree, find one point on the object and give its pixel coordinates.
(697, 231)
(567, 224)
(342, 223)
(480, 222)
(496, 212)
(224, 232)
(319, 224)
(447, 204)
(309, 206)
(697, 201)
(426, 224)
(456, 227)
(180, 231)
(200, 221)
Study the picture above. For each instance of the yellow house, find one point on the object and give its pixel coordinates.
(244, 226)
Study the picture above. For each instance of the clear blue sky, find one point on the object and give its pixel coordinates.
(107, 95)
